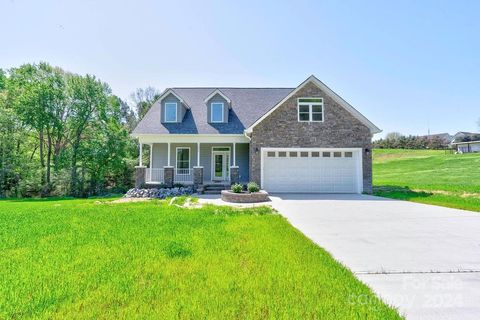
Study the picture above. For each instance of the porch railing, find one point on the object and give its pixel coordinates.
(154, 175)
(183, 175)
(157, 175)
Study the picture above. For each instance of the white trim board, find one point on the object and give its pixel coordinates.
(466, 142)
(191, 138)
(312, 79)
(220, 93)
(170, 91)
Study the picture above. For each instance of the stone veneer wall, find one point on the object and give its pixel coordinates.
(340, 129)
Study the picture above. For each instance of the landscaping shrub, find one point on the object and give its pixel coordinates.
(237, 188)
(253, 187)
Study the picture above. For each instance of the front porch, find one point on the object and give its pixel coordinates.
(198, 163)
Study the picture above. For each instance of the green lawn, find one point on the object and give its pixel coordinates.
(94, 259)
(428, 176)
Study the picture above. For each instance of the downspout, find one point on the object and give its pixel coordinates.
(246, 135)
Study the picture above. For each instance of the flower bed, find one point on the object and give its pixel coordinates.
(161, 193)
(245, 197)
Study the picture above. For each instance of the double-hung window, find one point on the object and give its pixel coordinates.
(310, 109)
(216, 112)
(183, 160)
(170, 112)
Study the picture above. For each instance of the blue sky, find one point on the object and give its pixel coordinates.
(406, 65)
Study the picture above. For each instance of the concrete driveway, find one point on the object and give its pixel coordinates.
(422, 259)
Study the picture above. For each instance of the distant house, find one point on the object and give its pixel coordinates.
(444, 137)
(463, 136)
(454, 140)
(467, 147)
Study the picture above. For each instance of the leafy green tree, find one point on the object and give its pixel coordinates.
(37, 95)
(62, 133)
(88, 98)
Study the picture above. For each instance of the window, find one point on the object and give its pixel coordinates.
(293, 154)
(304, 154)
(337, 154)
(348, 154)
(271, 154)
(326, 154)
(315, 154)
(310, 109)
(170, 112)
(216, 112)
(282, 154)
(183, 160)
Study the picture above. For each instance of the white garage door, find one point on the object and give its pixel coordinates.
(312, 170)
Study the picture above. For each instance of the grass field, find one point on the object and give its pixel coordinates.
(94, 259)
(428, 176)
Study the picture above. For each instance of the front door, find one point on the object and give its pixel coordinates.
(221, 165)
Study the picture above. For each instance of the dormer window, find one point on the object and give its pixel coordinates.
(310, 109)
(170, 112)
(216, 112)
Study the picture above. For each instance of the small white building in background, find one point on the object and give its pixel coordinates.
(467, 147)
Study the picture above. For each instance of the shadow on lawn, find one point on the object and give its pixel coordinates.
(397, 192)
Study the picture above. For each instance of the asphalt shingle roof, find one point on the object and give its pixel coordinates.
(247, 105)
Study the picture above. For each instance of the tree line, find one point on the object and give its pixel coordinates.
(395, 140)
(65, 134)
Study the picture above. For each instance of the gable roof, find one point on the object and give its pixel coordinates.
(312, 79)
(247, 105)
(168, 92)
(217, 91)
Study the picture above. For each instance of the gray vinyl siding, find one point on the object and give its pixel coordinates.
(159, 157)
(243, 151)
(217, 98)
(181, 110)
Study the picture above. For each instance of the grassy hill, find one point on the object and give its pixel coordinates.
(428, 176)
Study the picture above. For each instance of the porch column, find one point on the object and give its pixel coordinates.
(198, 154)
(198, 171)
(168, 176)
(234, 174)
(234, 170)
(151, 159)
(140, 169)
(234, 155)
(140, 176)
(168, 154)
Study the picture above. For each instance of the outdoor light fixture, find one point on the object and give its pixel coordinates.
(367, 151)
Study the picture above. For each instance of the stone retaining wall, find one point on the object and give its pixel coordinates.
(245, 197)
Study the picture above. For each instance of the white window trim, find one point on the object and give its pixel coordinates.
(211, 112)
(310, 105)
(189, 160)
(165, 112)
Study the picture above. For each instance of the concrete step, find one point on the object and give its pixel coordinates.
(215, 188)
(212, 192)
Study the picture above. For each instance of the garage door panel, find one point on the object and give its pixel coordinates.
(311, 174)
